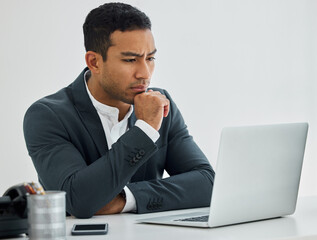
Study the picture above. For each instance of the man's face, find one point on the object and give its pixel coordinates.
(129, 65)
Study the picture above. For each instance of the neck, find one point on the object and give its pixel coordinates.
(99, 94)
(123, 111)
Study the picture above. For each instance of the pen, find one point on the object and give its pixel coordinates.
(34, 188)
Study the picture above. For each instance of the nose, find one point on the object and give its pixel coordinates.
(144, 70)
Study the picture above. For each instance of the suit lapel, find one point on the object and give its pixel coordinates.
(132, 120)
(88, 113)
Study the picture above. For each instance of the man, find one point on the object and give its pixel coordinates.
(106, 138)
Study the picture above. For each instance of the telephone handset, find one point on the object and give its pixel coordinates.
(13, 211)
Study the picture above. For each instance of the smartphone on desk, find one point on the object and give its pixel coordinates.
(90, 229)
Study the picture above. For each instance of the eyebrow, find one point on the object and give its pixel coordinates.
(132, 54)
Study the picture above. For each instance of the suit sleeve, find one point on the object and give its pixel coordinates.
(61, 166)
(191, 175)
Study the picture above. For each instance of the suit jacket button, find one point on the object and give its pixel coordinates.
(141, 152)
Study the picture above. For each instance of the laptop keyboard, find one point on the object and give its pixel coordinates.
(195, 219)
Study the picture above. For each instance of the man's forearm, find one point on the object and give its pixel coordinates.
(186, 190)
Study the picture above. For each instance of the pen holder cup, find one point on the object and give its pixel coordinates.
(47, 215)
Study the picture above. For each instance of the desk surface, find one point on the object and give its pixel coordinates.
(301, 225)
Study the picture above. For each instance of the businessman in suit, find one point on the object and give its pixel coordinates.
(107, 137)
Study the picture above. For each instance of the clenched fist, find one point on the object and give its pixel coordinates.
(151, 107)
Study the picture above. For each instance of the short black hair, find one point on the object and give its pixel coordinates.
(101, 22)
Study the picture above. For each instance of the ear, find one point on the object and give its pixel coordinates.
(93, 61)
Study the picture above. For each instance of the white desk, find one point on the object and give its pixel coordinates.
(301, 225)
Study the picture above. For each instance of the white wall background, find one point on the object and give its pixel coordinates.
(225, 63)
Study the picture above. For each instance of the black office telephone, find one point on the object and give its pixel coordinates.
(13, 211)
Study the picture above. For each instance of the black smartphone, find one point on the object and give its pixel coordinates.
(90, 229)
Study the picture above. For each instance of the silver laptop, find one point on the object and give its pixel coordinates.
(257, 176)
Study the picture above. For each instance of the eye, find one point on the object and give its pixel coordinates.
(151, 59)
(129, 60)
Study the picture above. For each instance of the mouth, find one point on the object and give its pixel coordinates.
(139, 88)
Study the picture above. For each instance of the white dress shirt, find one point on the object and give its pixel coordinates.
(114, 130)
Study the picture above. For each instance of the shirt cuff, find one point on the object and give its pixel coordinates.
(148, 130)
(130, 205)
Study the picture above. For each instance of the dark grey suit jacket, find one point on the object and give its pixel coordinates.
(66, 141)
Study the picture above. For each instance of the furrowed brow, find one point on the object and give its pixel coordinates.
(153, 52)
(132, 54)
